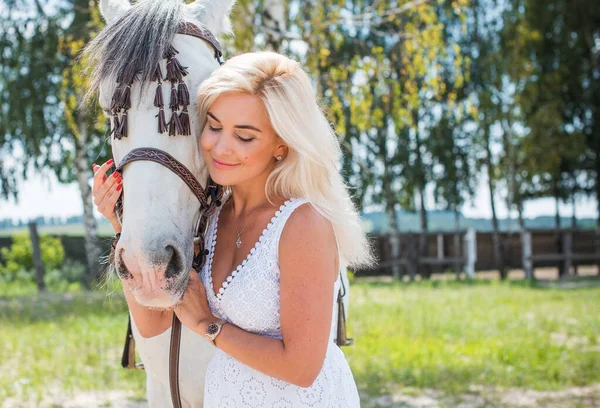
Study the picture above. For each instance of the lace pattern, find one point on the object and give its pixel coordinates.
(249, 299)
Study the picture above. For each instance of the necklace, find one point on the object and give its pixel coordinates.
(238, 241)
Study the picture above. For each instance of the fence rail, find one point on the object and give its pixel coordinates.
(411, 254)
(468, 251)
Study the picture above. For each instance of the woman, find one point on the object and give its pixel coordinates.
(277, 244)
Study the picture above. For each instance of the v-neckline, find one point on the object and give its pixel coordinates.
(227, 281)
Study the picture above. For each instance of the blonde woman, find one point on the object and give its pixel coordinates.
(285, 230)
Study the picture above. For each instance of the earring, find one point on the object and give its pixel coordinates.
(279, 158)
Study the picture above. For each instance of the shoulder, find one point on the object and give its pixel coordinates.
(306, 222)
(307, 232)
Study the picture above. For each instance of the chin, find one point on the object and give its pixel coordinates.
(223, 179)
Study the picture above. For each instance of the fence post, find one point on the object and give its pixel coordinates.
(471, 252)
(568, 250)
(37, 257)
(527, 262)
(457, 253)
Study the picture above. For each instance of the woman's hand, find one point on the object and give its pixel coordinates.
(106, 191)
(193, 311)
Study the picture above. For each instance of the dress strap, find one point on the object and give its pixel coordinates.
(282, 216)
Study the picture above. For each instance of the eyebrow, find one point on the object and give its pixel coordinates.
(249, 127)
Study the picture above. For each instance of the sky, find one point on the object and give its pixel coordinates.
(44, 196)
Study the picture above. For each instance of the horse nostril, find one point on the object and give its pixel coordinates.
(175, 264)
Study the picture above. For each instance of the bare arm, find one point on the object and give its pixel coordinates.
(308, 264)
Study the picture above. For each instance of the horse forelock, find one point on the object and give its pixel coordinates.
(135, 42)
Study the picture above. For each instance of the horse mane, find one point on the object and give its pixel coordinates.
(133, 44)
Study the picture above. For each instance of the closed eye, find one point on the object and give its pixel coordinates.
(245, 140)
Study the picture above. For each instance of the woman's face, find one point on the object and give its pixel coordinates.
(238, 141)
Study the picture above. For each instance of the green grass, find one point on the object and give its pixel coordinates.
(448, 335)
(62, 344)
(443, 335)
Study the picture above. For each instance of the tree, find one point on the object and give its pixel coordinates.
(41, 96)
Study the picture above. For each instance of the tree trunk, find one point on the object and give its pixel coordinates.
(83, 174)
(557, 233)
(496, 239)
(424, 270)
(598, 204)
(394, 239)
(574, 225)
(574, 214)
(521, 219)
(274, 24)
(457, 250)
(37, 257)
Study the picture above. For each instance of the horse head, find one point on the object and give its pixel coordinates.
(144, 71)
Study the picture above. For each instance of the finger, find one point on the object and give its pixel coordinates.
(112, 182)
(100, 175)
(108, 205)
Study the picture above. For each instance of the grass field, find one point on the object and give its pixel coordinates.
(442, 335)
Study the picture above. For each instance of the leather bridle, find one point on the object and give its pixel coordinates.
(209, 197)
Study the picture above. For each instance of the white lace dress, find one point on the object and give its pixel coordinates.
(249, 299)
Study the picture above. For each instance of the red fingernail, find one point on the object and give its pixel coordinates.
(119, 187)
(119, 180)
(116, 174)
(110, 161)
(94, 166)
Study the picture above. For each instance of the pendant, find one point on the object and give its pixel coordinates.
(238, 242)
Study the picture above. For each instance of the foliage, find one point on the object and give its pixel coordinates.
(69, 277)
(426, 95)
(30, 119)
(18, 259)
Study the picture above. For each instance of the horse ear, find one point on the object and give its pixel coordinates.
(212, 14)
(113, 9)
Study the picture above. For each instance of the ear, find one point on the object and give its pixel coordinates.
(212, 14)
(282, 150)
(113, 9)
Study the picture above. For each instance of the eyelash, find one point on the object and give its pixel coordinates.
(241, 138)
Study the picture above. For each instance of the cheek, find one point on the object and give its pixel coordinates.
(206, 140)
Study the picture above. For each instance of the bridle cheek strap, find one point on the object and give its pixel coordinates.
(209, 198)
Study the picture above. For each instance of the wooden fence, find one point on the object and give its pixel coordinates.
(410, 253)
(467, 251)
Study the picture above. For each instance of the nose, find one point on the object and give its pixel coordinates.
(223, 145)
(174, 262)
(155, 263)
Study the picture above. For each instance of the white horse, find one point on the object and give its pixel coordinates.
(160, 210)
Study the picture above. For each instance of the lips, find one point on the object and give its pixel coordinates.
(221, 165)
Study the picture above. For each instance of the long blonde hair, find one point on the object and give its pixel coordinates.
(310, 169)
